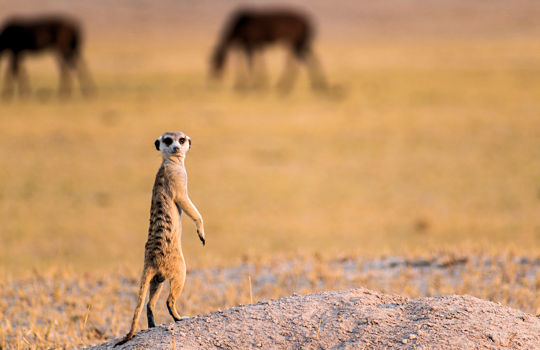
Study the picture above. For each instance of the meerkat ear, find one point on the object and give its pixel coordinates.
(189, 140)
(156, 143)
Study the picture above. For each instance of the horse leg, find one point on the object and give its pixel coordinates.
(11, 75)
(24, 81)
(15, 74)
(85, 79)
(251, 66)
(64, 86)
(289, 74)
(316, 74)
(245, 63)
(261, 74)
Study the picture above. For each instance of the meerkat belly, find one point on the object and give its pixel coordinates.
(163, 247)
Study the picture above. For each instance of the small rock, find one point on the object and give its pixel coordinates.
(404, 341)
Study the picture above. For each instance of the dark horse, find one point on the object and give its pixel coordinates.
(60, 35)
(251, 31)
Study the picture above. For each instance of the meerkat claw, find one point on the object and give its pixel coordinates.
(201, 237)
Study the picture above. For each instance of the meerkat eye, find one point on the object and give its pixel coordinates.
(167, 141)
(182, 140)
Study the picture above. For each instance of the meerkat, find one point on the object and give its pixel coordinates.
(163, 258)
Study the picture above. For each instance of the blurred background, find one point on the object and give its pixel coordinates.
(427, 140)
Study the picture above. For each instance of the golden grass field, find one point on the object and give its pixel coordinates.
(428, 143)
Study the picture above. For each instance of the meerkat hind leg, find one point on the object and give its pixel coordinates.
(177, 284)
(155, 288)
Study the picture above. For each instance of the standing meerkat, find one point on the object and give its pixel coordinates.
(163, 258)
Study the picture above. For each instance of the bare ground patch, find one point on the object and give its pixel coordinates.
(349, 319)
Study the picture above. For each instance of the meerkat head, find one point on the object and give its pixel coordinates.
(173, 144)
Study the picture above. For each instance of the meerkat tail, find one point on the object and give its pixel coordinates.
(147, 275)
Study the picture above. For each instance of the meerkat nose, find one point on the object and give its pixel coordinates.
(176, 149)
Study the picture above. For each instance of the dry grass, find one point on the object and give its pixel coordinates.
(63, 309)
(428, 141)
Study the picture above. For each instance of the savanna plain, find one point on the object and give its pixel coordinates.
(416, 173)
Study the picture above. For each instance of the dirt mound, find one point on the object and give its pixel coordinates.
(357, 318)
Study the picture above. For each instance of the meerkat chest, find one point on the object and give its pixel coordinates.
(178, 181)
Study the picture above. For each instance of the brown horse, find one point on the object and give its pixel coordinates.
(251, 31)
(60, 35)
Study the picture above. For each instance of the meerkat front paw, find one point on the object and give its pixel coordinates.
(201, 237)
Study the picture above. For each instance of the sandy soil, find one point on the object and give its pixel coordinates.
(348, 319)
